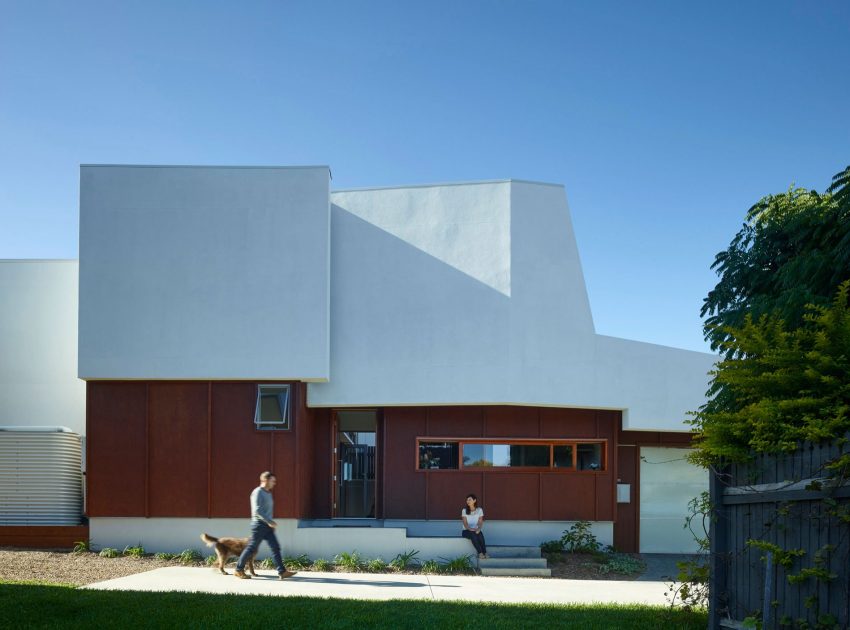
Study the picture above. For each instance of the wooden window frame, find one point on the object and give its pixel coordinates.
(573, 470)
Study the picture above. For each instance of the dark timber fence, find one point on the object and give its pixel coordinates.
(797, 503)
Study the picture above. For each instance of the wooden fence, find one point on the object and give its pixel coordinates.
(798, 504)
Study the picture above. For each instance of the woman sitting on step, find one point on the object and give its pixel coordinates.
(473, 520)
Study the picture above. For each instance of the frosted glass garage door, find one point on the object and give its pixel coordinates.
(667, 485)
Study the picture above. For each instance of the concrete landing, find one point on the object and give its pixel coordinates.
(367, 586)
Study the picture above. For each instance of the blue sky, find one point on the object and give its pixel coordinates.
(665, 121)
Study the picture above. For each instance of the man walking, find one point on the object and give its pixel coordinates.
(262, 527)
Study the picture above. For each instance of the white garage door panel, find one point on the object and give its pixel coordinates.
(667, 485)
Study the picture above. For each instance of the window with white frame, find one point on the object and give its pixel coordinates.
(273, 402)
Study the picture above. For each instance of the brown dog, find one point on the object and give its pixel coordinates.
(228, 547)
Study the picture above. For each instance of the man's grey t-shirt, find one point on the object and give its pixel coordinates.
(262, 505)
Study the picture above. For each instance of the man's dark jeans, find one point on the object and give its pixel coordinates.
(260, 532)
(477, 540)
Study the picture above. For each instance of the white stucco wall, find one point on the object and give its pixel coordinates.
(474, 294)
(38, 345)
(204, 272)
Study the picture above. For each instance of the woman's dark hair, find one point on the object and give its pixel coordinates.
(466, 507)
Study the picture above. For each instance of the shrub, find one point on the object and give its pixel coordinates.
(377, 565)
(461, 564)
(403, 561)
(211, 560)
(164, 556)
(267, 563)
(298, 563)
(109, 552)
(580, 538)
(190, 556)
(321, 564)
(552, 546)
(431, 566)
(621, 563)
(82, 546)
(134, 552)
(349, 561)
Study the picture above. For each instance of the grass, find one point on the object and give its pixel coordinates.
(43, 605)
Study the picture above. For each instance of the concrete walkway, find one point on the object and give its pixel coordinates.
(387, 586)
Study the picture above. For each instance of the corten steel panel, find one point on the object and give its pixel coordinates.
(305, 453)
(404, 486)
(567, 423)
(115, 446)
(626, 535)
(455, 421)
(512, 496)
(447, 493)
(283, 465)
(518, 422)
(239, 452)
(655, 438)
(177, 449)
(43, 536)
(567, 497)
(320, 490)
(606, 495)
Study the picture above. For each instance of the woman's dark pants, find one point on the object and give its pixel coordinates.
(477, 540)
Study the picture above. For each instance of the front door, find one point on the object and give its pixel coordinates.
(354, 463)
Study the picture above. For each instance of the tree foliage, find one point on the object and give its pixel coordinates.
(792, 251)
(778, 384)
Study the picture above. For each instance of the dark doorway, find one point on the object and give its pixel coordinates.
(355, 463)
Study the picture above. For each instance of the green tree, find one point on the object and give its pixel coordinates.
(778, 384)
(793, 250)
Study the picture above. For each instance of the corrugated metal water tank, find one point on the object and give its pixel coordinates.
(41, 481)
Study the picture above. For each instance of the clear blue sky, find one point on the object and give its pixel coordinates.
(664, 120)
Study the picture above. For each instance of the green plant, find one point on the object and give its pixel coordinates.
(580, 538)
(109, 552)
(376, 565)
(552, 546)
(210, 560)
(298, 563)
(267, 563)
(349, 561)
(82, 546)
(431, 566)
(190, 556)
(461, 564)
(164, 556)
(403, 561)
(134, 552)
(320, 564)
(621, 563)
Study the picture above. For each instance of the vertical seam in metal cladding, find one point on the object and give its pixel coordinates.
(209, 449)
(296, 420)
(271, 460)
(147, 448)
(539, 496)
(383, 468)
(539, 422)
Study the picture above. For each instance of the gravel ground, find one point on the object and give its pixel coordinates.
(71, 568)
(86, 568)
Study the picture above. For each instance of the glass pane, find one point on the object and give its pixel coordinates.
(438, 455)
(505, 455)
(589, 456)
(563, 456)
(273, 407)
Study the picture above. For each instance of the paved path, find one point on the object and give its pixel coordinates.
(383, 586)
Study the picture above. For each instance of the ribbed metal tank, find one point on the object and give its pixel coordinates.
(41, 480)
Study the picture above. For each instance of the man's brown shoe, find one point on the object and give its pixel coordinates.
(241, 575)
(285, 574)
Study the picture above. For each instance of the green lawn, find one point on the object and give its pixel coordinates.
(49, 605)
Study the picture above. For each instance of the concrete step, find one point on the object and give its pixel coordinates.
(512, 563)
(513, 552)
(518, 572)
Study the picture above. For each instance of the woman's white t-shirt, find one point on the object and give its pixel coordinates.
(473, 517)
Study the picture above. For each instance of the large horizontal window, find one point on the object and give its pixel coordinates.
(479, 454)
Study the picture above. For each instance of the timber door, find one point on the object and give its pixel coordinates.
(355, 463)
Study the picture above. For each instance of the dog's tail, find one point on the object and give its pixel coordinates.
(210, 540)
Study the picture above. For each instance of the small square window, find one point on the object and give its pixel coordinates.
(272, 407)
